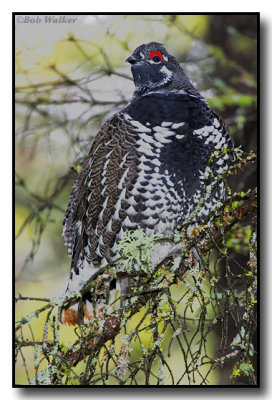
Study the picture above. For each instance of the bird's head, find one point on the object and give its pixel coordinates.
(154, 69)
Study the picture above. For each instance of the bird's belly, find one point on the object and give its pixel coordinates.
(153, 206)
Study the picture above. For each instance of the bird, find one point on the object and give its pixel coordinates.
(148, 167)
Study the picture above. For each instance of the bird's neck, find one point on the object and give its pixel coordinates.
(181, 82)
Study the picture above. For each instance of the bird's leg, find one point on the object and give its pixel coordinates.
(125, 283)
(197, 256)
(174, 252)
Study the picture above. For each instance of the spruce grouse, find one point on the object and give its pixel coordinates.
(148, 167)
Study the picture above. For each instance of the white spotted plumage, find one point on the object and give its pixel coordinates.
(149, 167)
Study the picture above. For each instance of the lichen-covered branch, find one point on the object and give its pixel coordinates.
(219, 294)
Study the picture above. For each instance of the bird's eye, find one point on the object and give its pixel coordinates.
(155, 56)
(156, 59)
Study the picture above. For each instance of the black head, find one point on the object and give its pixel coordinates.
(154, 69)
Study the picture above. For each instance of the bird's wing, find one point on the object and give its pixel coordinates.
(97, 204)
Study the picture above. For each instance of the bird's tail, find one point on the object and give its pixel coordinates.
(88, 307)
(80, 312)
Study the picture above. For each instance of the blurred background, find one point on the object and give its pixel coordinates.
(71, 75)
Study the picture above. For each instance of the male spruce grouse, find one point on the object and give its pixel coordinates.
(148, 167)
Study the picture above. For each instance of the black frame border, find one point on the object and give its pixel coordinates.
(127, 388)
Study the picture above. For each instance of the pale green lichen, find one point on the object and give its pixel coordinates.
(136, 249)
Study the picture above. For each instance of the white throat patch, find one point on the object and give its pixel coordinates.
(168, 74)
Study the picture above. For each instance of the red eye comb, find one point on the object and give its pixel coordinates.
(155, 53)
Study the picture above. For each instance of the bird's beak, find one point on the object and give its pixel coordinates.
(132, 60)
